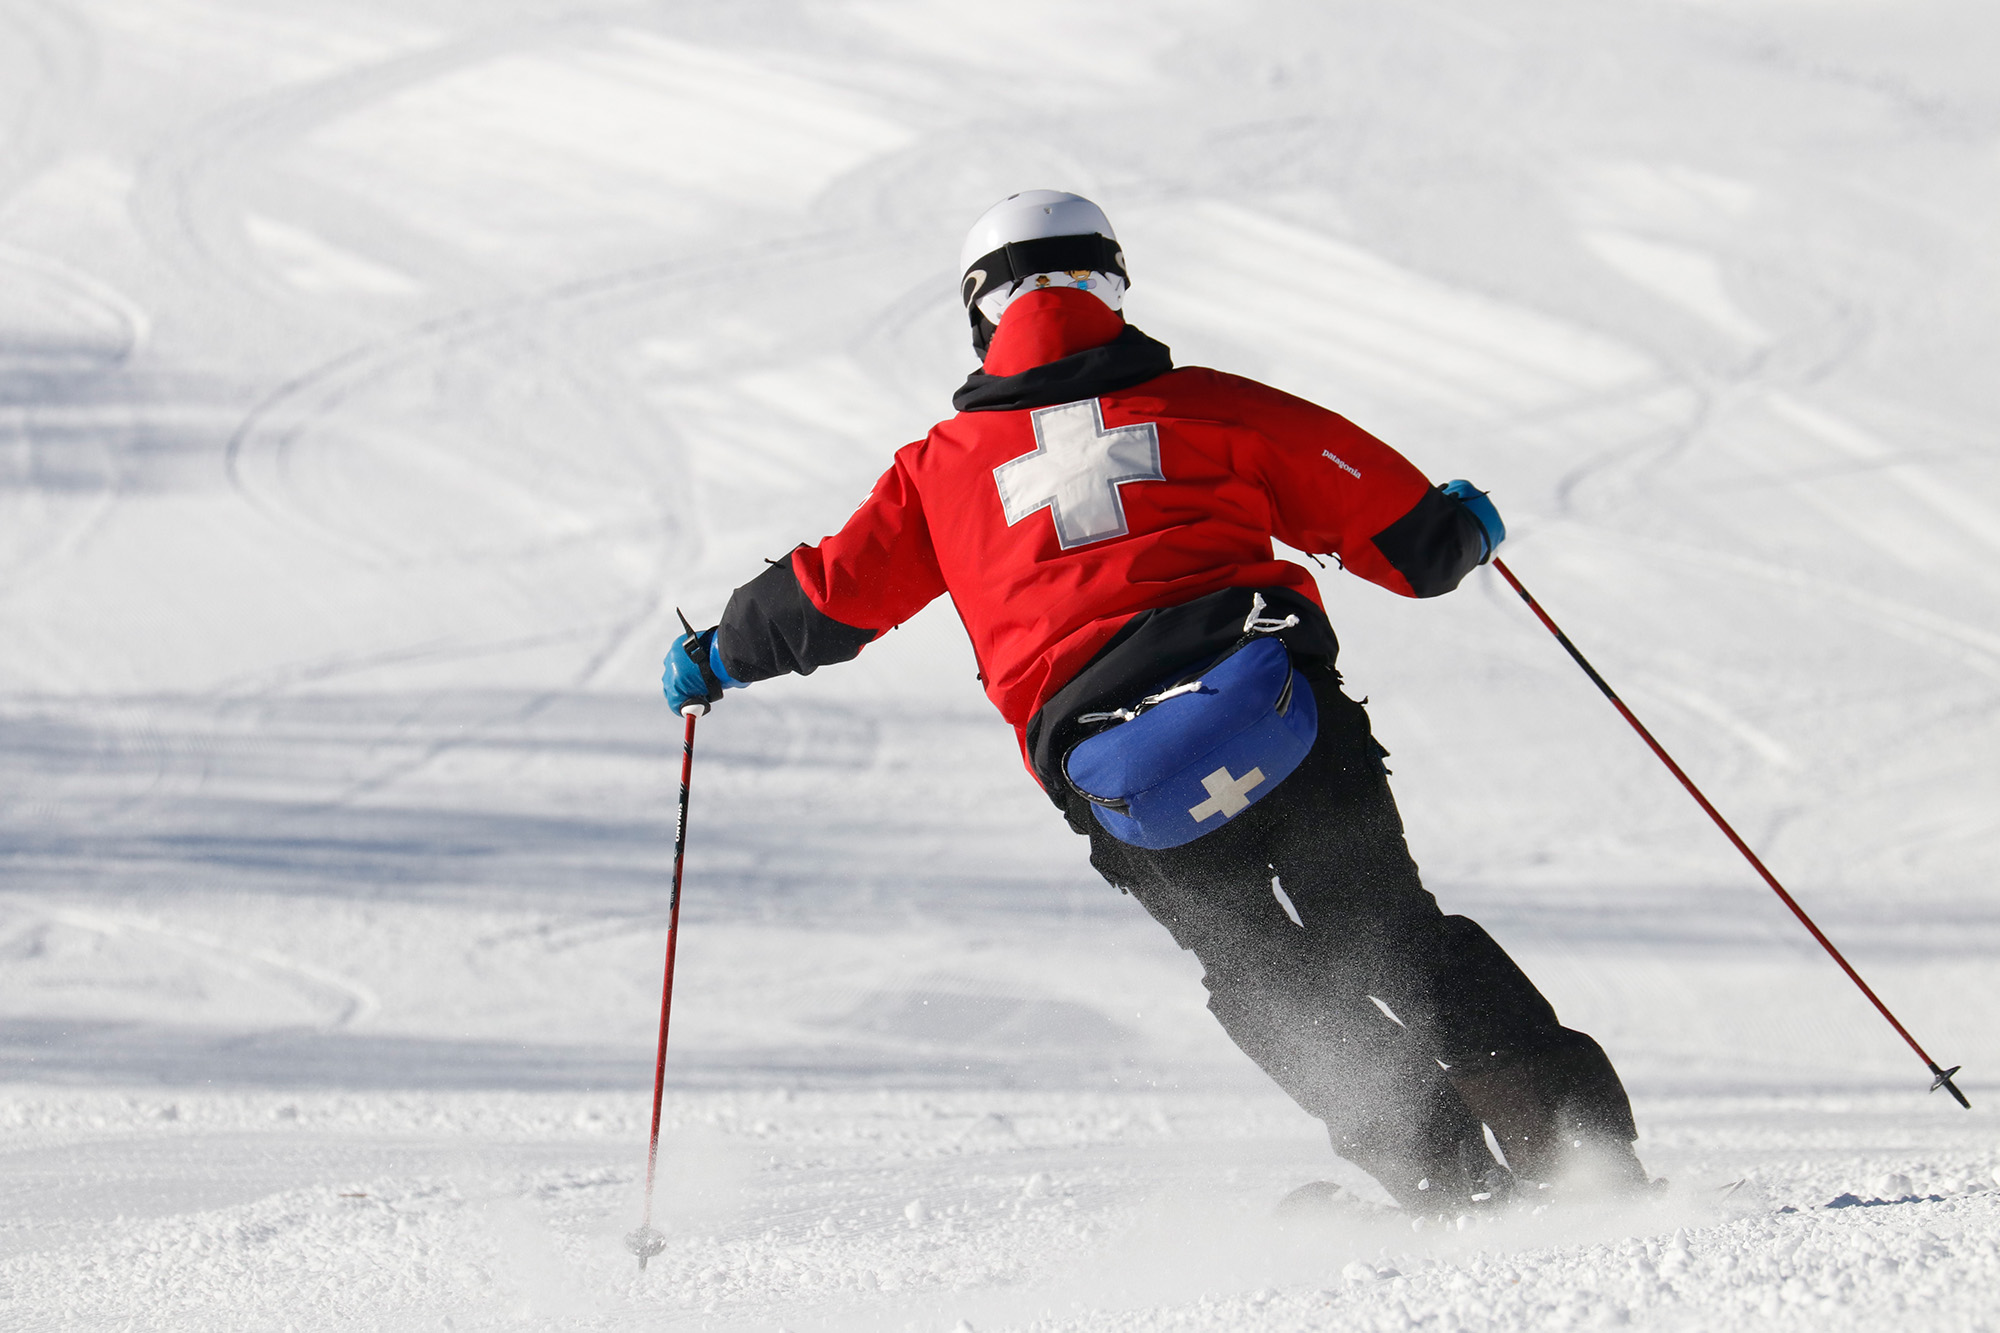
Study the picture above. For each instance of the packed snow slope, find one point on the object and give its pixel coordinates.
(375, 380)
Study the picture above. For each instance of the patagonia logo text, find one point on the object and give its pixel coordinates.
(1340, 462)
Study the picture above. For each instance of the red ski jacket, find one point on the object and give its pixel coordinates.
(1086, 482)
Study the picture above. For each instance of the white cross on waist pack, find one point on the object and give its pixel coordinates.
(1226, 794)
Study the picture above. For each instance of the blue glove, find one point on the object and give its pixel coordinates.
(695, 676)
(1481, 508)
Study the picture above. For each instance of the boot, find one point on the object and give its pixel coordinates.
(1561, 1117)
(1450, 1175)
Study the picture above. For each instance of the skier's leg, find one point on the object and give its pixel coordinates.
(1302, 1012)
(1386, 1105)
(1549, 1093)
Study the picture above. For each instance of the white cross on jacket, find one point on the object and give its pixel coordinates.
(1075, 471)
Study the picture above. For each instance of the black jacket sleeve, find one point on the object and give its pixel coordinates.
(770, 629)
(1435, 545)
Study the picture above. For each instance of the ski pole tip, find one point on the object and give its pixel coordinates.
(1943, 1080)
(645, 1242)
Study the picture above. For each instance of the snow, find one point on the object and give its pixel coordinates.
(375, 380)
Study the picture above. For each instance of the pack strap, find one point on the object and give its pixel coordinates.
(1258, 623)
(1254, 625)
(1127, 714)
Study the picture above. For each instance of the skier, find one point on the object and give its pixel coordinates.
(1103, 522)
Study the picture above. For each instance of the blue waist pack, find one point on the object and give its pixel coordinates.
(1187, 760)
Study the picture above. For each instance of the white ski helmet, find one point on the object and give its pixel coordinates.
(1034, 234)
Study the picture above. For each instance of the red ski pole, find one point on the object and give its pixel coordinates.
(1941, 1077)
(647, 1241)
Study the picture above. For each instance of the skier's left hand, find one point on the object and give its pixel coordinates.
(1481, 508)
(695, 676)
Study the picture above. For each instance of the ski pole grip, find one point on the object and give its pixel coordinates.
(694, 707)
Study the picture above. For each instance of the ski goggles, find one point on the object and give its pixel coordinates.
(1017, 261)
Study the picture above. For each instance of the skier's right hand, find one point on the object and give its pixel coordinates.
(695, 676)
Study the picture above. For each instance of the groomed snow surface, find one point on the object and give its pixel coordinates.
(375, 379)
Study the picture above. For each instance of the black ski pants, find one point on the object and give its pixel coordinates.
(1399, 1026)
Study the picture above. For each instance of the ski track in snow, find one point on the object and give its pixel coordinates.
(375, 383)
